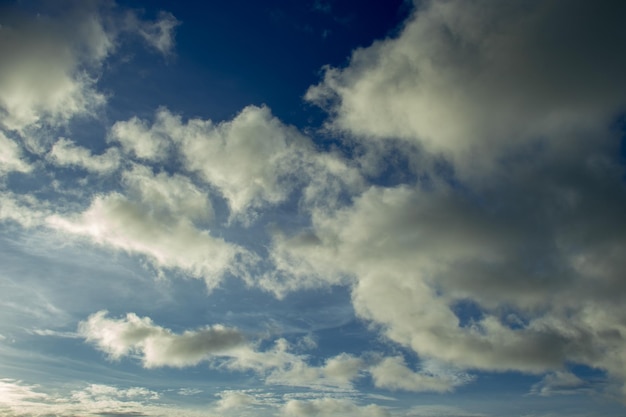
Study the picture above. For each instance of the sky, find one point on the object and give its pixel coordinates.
(387, 208)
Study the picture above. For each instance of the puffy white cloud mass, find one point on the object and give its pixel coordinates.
(11, 158)
(168, 242)
(393, 373)
(156, 345)
(520, 269)
(21, 399)
(50, 64)
(471, 79)
(66, 153)
(254, 160)
(331, 407)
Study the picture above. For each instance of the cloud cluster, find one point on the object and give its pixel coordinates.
(254, 160)
(511, 259)
(331, 407)
(64, 152)
(474, 79)
(502, 250)
(51, 63)
(157, 346)
(19, 398)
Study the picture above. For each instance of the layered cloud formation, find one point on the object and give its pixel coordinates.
(473, 207)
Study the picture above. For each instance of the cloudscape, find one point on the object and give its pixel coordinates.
(313, 208)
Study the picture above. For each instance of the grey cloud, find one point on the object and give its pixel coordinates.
(51, 60)
(64, 152)
(331, 407)
(120, 223)
(252, 159)
(473, 79)
(158, 346)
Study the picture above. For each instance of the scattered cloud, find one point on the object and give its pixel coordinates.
(11, 157)
(156, 345)
(559, 383)
(64, 152)
(331, 407)
(473, 80)
(392, 373)
(235, 399)
(138, 227)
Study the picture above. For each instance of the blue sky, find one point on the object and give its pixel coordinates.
(312, 208)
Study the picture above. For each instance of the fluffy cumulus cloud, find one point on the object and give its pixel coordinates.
(500, 247)
(331, 407)
(516, 270)
(115, 221)
(21, 399)
(254, 160)
(228, 348)
(470, 79)
(64, 152)
(230, 400)
(156, 345)
(393, 373)
(11, 156)
(50, 64)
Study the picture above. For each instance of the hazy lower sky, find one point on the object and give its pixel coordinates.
(313, 208)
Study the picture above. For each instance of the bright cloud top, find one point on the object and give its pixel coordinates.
(462, 204)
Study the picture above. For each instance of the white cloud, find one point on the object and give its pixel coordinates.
(515, 270)
(51, 61)
(19, 398)
(415, 256)
(117, 222)
(474, 79)
(254, 160)
(25, 210)
(559, 383)
(160, 33)
(337, 372)
(251, 159)
(392, 373)
(42, 77)
(11, 156)
(331, 407)
(66, 153)
(156, 345)
(234, 399)
(170, 195)
(141, 141)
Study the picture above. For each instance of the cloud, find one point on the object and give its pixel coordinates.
(158, 221)
(11, 157)
(156, 345)
(506, 255)
(337, 372)
(474, 79)
(19, 398)
(41, 75)
(392, 373)
(52, 61)
(252, 159)
(25, 210)
(559, 382)
(160, 33)
(66, 153)
(230, 400)
(331, 407)
(141, 141)
(170, 195)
